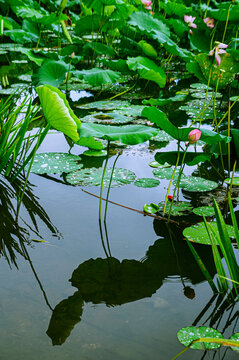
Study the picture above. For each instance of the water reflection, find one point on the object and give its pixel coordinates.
(14, 234)
(114, 282)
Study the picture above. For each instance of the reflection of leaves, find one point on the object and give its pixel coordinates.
(114, 282)
(64, 317)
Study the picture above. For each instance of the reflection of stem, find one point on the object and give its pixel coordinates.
(102, 180)
(35, 274)
(107, 238)
(102, 239)
(108, 191)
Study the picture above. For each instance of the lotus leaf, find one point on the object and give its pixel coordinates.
(188, 334)
(55, 163)
(147, 182)
(93, 176)
(234, 181)
(106, 118)
(197, 184)
(176, 209)
(105, 105)
(204, 211)
(235, 337)
(198, 233)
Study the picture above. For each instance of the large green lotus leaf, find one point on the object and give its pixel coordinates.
(145, 22)
(197, 184)
(158, 31)
(200, 40)
(198, 233)
(88, 24)
(55, 163)
(221, 11)
(91, 143)
(97, 76)
(57, 111)
(235, 337)
(105, 105)
(204, 211)
(117, 65)
(221, 75)
(97, 49)
(166, 173)
(174, 8)
(176, 209)
(93, 176)
(147, 182)
(191, 158)
(127, 134)
(160, 119)
(95, 153)
(106, 118)
(188, 334)
(51, 73)
(155, 164)
(147, 69)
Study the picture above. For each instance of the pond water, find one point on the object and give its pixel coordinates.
(131, 310)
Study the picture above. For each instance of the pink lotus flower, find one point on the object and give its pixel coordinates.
(194, 136)
(209, 22)
(146, 2)
(190, 21)
(218, 49)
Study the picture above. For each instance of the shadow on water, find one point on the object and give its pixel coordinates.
(114, 282)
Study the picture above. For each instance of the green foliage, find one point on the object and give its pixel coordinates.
(148, 70)
(191, 333)
(93, 177)
(51, 73)
(55, 163)
(97, 76)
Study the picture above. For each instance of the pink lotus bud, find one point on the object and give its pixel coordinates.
(194, 136)
(73, 55)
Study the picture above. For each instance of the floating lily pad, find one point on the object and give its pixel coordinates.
(204, 210)
(106, 118)
(188, 334)
(194, 184)
(202, 95)
(198, 233)
(105, 105)
(177, 209)
(235, 337)
(194, 108)
(131, 110)
(96, 153)
(200, 86)
(155, 164)
(93, 176)
(55, 163)
(147, 182)
(235, 181)
(166, 173)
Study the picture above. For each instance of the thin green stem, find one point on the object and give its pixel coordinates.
(102, 180)
(225, 29)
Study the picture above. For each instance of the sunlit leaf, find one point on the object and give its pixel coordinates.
(197, 184)
(93, 176)
(188, 334)
(198, 233)
(55, 163)
(204, 211)
(147, 182)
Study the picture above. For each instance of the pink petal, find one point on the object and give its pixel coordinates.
(218, 59)
(222, 46)
(186, 18)
(193, 18)
(220, 51)
(211, 53)
(192, 25)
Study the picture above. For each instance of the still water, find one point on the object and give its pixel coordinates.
(128, 307)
